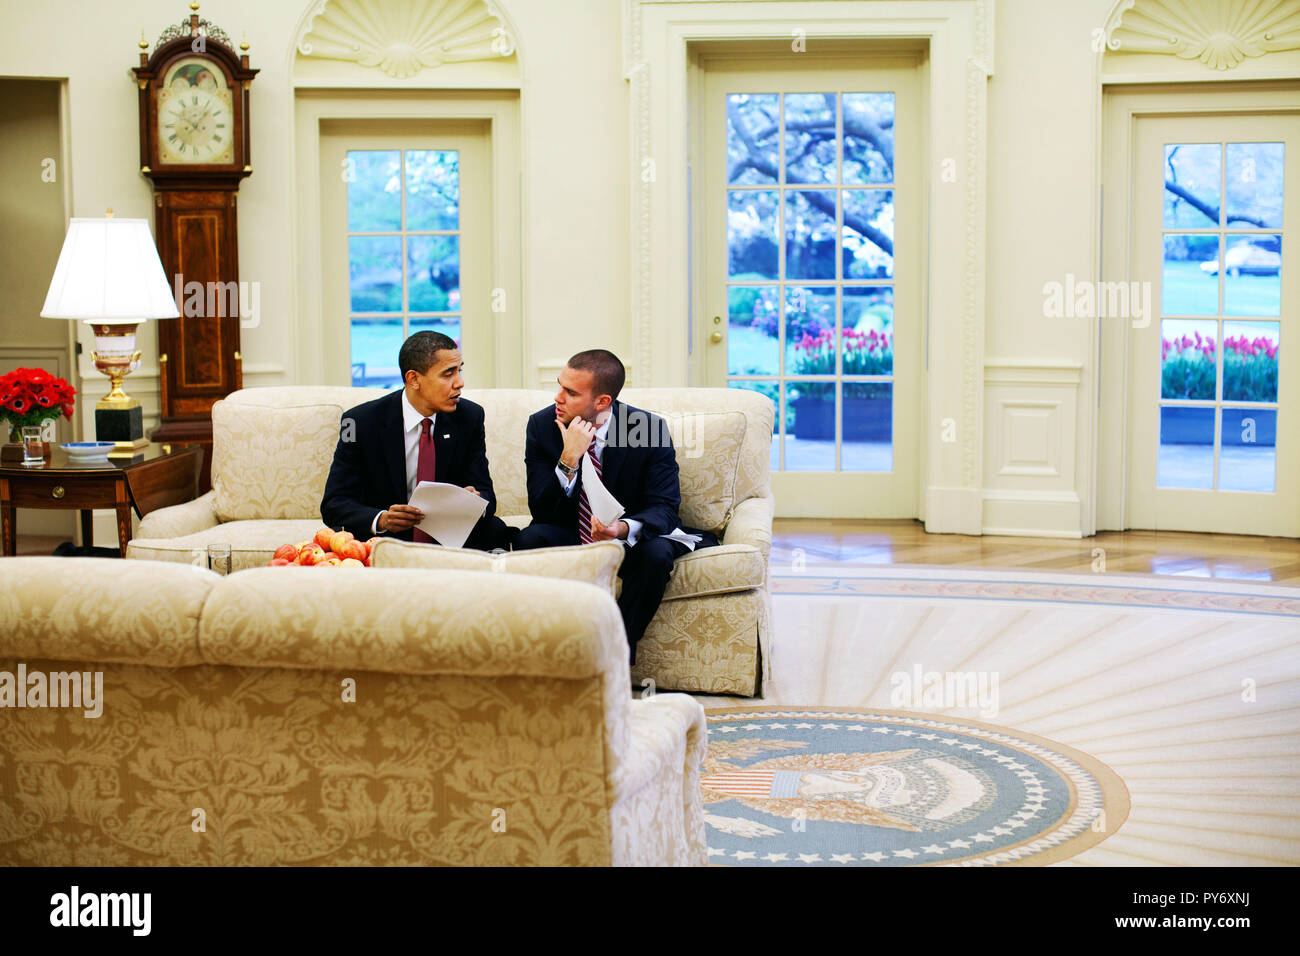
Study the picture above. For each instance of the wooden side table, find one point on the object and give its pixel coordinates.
(157, 477)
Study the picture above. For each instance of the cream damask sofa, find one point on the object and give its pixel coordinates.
(272, 449)
(304, 716)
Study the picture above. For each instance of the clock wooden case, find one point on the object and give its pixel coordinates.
(194, 148)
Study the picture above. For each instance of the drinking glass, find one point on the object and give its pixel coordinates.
(219, 558)
(33, 446)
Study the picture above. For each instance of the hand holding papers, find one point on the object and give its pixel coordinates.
(450, 512)
(603, 505)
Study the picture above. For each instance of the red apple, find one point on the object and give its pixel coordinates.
(339, 539)
(351, 563)
(311, 556)
(280, 563)
(287, 553)
(322, 538)
(353, 549)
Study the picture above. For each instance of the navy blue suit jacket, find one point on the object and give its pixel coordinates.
(368, 473)
(638, 467)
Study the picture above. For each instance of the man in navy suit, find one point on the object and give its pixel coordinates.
(632, 455)
(422, 432)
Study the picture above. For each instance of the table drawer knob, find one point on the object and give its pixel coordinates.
(58, 491)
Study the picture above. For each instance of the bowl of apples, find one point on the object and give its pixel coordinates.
(327, 549)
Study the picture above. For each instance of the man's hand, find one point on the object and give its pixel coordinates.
(472, 490)
(608, 532)
(400, 518)
(578, 436)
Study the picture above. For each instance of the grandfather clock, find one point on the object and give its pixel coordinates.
(194, 148)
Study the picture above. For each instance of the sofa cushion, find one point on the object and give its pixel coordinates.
(271, 462)
(252, 543)
(708, 453)
(720, 570)
(596, 563)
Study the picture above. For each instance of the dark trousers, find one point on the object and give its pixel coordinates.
(647, 565)
(490, 533)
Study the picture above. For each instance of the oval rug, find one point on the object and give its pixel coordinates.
(825, 786)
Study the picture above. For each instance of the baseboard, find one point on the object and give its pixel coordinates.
(1034, 514)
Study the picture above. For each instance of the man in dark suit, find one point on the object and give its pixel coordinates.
(632, 455)
(422, 432)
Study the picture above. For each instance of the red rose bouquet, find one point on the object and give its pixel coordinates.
(29, 396)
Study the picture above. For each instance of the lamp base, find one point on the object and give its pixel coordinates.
(121, 425)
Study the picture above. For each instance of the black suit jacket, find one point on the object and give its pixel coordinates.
(369, 469)
(638, 467)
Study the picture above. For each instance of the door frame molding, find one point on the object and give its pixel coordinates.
(500, 109)
(959, 34)
(1121, 108)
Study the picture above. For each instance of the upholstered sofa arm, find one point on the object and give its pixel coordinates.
(180, 520)
(89, 609)
(406, 621)
(657, 787)
(751, 523)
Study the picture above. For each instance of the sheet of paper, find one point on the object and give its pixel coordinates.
(690, 540)
(603, 505)
(450, 512)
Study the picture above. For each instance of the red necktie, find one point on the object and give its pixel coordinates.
(584, 508)
(424, 467)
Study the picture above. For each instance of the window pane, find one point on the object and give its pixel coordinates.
(448, 325)
(868, 138)
(752, 316)
(868, 237)
(1250, 361)
(1187, 359)
(374, 190)
(810, 330)
(1192, 185)
(752, 138)
(1253, 284)
(1248, 459)
(810, 426)
(1189, 282)
(868, 330)
(811, 152)
(752, 252)
(1186, 458)
(772, 391)
(810, 234)
(432, 189)
(375, 273)
(868, 427)
(1255, 185)
(375, 344)
(434, 273)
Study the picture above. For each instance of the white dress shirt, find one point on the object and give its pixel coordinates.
(411, 439)
(598, 450)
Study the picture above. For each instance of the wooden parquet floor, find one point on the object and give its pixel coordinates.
(1231, 557)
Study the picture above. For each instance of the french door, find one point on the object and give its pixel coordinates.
(405, 244)
(810, 194)
(1213, 398)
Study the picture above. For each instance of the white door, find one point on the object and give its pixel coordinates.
(1213, 399)
(810, 186)
(405, 244)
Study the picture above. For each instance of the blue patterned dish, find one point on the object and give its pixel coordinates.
(87, 450)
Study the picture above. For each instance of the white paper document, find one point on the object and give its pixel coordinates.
(450, 512)
(606, 507)
(603, 505)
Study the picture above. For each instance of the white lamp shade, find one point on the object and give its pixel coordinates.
(109, 272)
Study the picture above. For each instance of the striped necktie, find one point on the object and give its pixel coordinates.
(425, 467)
(584, 507)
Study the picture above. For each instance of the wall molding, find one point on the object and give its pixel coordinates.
(1220, 34)
(401, 38)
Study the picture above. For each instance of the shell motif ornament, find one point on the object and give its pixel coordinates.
(1218, 33)
(402, 37)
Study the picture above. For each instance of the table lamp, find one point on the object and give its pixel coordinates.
(110, 277)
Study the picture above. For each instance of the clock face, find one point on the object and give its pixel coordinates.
(195, 120)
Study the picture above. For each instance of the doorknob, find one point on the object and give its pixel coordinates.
(715, 337)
